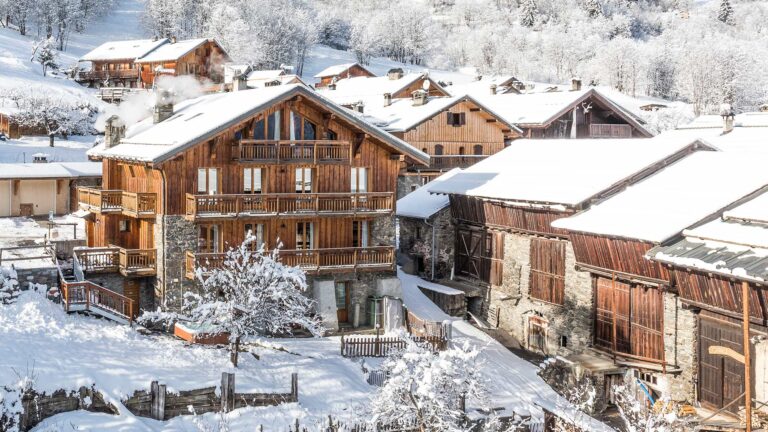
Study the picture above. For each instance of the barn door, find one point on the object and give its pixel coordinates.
(721, 379)
(468, 256)
(131, 290)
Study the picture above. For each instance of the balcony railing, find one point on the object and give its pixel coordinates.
(111, 74)
(597, 130)
(315, 261)
(454, 161)
(295, 151)
(135, 204)
(113, 259)
(296, 204)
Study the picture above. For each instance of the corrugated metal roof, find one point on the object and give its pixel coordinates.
(742, 263)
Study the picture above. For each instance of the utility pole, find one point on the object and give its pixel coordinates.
(747, 357)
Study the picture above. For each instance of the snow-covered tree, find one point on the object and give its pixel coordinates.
(528, 13)
(47, 56)
(593, 8)
(664, 416)
(252, 292)
(9, 285)
(56, 115)
(578, 392)
(725, 12)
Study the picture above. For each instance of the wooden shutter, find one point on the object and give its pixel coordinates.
(547, 280)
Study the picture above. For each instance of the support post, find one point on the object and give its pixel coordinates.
(613, 315)
(227, 392)
(157, 409)
(294, 387)
(747, 357)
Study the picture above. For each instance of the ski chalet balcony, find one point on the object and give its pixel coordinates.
(133, 204)
(106, 74)
(313, 261)
(598, 130)
(292, 151)
(228, 206)
(113, 259)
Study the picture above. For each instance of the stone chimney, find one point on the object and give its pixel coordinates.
(726, 112)
(173, 39)
(387, 99)
(493, 89)
(114, 131)
(395, 74)
(163, 106)
(575, 84)
(359, 107)
(239, 82)
(419, 97)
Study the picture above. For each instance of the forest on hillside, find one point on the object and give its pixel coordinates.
(702, 52)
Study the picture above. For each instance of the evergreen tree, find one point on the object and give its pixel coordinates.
(725, 13)
(528, 12)
(47, 56)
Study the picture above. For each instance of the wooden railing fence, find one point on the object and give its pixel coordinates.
(114, 259)
(234, 205)
(87, 296)
(136, 204)
(294, 151)
(597, 130)
(378, 346)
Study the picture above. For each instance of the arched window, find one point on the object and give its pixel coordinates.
(439, 150)
(477, 150)
(461, 150)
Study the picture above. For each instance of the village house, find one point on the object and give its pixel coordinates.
(281, 163)
(331, 74)
(242, 77)
(639, 320)
(41, 187)
(136, 63)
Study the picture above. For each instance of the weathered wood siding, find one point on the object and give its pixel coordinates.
(617, 255)
(354, 71)
(495, 214)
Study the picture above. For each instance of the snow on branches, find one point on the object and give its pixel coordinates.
(252, 292)
(662, 417)
(9, 285)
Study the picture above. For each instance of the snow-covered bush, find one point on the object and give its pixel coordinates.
(637, 417)
(577, 391)
(55, 115)
(9, 285)
(252, 292)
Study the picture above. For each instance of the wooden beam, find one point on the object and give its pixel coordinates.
(747, 357)
(358, 143)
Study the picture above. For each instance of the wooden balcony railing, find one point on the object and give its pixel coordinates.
(296, 204)
(87, 296)
(454, 161)
(316, 261)
(129, 262)
(597, 130)
(295, 151)
(111, 74)
(135, 204)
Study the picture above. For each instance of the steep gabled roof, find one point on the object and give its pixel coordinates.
(338, 69)
(198, 120)
(176, 50)
(123, 50)
(371, 90)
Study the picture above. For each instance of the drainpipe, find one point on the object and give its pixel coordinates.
(162, 224)
(432, 274)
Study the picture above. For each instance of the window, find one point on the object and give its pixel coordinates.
(359, 179)
(439, 150)
(548, 270)
(537, 334)
(341, 295)
(477, 150)
(125, 225)
(301, 128)
(208, 238)
(461, 150)
(257, 231)
(303, 180)
(414, 187)
(267, 128)
(331, 135)
(207, 181)
(252, 180)
(456, 119)
(359, 233)
(304, 235)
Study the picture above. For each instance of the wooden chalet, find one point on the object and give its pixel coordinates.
(707, 268)
(358, 92)
(334, 73)
(638, 318)
(136, 63)
(279, 162)
(574, 113)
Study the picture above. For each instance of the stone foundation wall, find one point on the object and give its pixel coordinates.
(48, 276)
(383, 231)
(416, 239)
(515, 307)
(680, 329)
(174, 237)
(405, 184)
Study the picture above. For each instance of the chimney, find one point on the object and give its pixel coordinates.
(419, 97)
(395, 74)
(40, 158)
(493, 89)
(359, 107)
(173, 39)
(764, 108)
(163, 106)
(726, 112)
(239, 82)
(332, 86)
(114, 131)
(575, 84)
(387, 99)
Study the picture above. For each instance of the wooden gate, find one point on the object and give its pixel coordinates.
(479, 255)
(721, 379)
(132, 289)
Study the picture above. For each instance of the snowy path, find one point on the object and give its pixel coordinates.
(515, 384)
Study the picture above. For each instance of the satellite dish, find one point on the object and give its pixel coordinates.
(425, 84)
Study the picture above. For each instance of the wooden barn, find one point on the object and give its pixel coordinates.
(338, 72)
(708, 268)
(639, 319)
(358, 92)
(279, 163)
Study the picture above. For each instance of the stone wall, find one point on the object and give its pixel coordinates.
(512, 300)
(680, 329)
(361, 285)
(174, 237)
(383, 231)
(48, 276)
(416, 240)
(405, 184)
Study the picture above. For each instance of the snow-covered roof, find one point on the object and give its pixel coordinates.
(265, 74)
(50, 170)
(662, 206)
(483, 86)
(421, 203)
(336, 70)
(282, 79)
(122, 50)
(747, 135)
(563, 172)
(200, 119)
(171, 51)
(748, 119)
(369, 90)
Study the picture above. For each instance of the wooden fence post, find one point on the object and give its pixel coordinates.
(157, 409)
(294, 387)
(227, 392)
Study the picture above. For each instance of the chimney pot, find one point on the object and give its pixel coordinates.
(114, 131)
(360, 107)
(419, 97)
(387, 99)
(726, 112)
(395, 74)
(493, 89)
(163, 107)
(575, 84)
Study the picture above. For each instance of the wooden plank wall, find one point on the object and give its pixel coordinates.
(619, 255)
(494, 214)
(720, 293)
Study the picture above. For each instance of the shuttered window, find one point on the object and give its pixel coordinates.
(456, 119)
(548, 270)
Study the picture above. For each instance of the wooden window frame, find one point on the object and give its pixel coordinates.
(251, 188)
(361, 233)
(307, 227)
(212, 237)
(303, 170)
(206, 189)
(258, 230)
(547, 270)
(124, 225)
(456, 119)
(354, 174)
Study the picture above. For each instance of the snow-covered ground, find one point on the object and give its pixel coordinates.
(23, 231)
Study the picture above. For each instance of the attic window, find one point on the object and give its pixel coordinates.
(456, 119)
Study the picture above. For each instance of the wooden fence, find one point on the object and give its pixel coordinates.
(36, 407)
(419, 327)
(159, 404)
(377, 346)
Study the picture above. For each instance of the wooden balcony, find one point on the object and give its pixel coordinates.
(104, 75)
(313, 261)
(296, 151)
(597, 130)
(446, 162)
(296, 205)
(113, 259)
(88, 296)
(134, 204)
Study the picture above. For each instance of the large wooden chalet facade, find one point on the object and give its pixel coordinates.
(136, 64)
(281, 163)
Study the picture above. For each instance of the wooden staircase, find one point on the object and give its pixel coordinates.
(85, 296)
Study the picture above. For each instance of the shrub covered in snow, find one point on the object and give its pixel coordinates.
(662, 417)
(9, 285)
